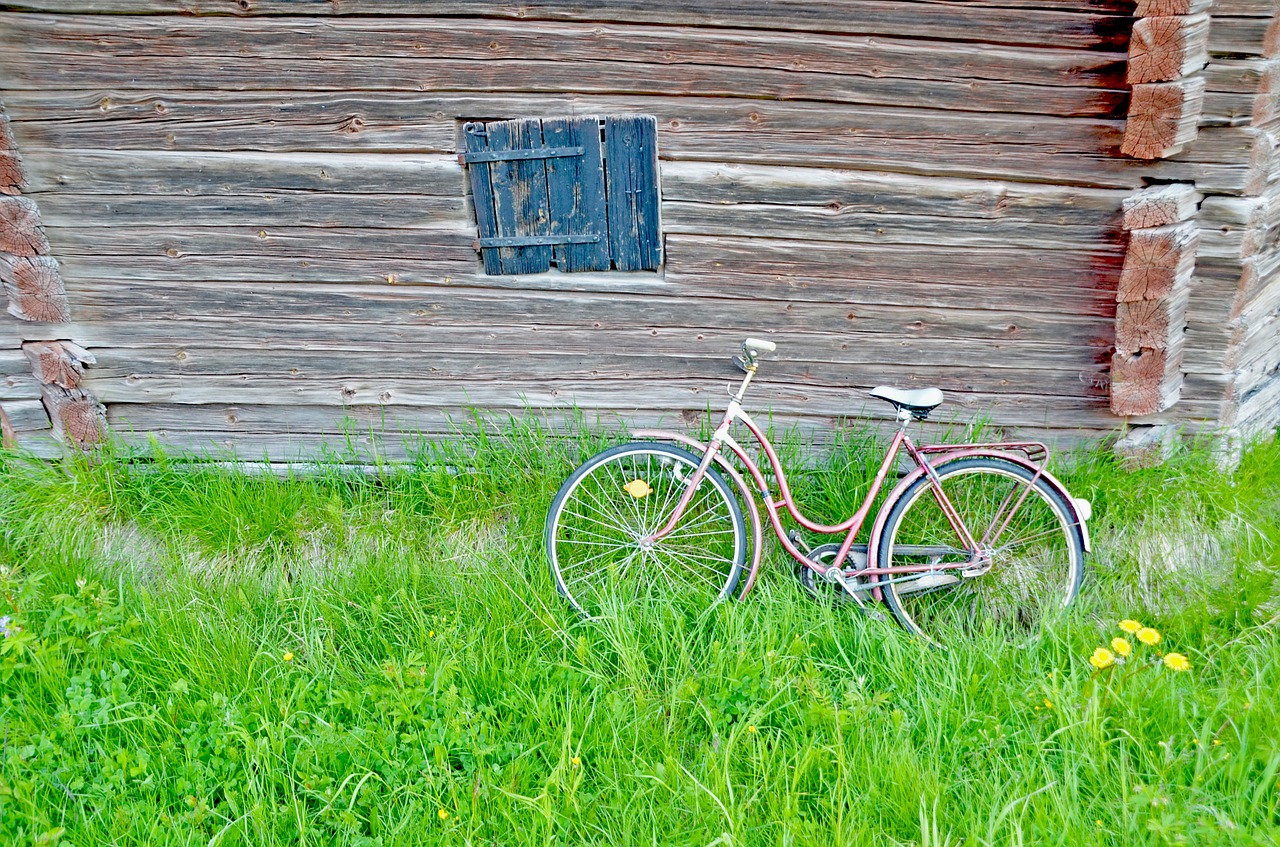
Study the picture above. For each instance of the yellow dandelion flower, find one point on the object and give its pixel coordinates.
(1217, 741)
(1121, 646)
(443, 815)
(751, 728)
(1102, 658)
(431, 634)
(1148, 636)
(1047, 704)
(288, 657)
(1177, 662)
(576, 761)
(1130, 626)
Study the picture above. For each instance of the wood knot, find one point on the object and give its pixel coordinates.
(181, 355)
(352, 125)
(161, 108)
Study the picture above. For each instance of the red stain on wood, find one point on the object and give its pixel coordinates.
(35, 289)
(20, 230)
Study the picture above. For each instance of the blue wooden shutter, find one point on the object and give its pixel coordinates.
(631, 161)
(552, 191)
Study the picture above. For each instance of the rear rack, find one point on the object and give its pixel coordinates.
(1033, 450)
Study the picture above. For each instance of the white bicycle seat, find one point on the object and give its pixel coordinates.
(919, 402)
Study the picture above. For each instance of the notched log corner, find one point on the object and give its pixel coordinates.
(1163, 118)
(12, 178)
(1167, 48)
(35, 289)
(20, 231)
(60, 363)
(77, 416)
(1145, 382)
(8, 438)
(1158, 262)
(1161, 205)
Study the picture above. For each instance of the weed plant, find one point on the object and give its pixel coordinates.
(196, 655)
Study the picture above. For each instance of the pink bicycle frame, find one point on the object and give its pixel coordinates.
(853, 525)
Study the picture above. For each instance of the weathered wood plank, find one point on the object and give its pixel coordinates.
(1163, 49)
(267, 209)
(195, 174)
(646, 364)
(1242, 36)
(1074, 151)
(24, 416)
(631, 177)
(1155, 8)
(16, 381)
(576, 189)
(886, 193)
(894, 18)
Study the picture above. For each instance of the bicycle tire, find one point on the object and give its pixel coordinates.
(1037, 557)
(595, 525)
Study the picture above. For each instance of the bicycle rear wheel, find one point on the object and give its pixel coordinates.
(599, 520)
(1028, 566)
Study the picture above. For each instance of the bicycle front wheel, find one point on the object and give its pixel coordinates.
(1027, 566)
(600, 520)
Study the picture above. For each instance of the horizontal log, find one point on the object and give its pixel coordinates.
(968, 145)
(1081, 29)
(34, 288)
(423, 54)
(12, 178)
(17, 384)
(591, 396)
(887, 193)
(191, 174)
(24, 416)
(286, 210)
(645, 365)
(1242, 36)
(1259, 412)
(1238, 227)
(1160, 205)
(1166, 48)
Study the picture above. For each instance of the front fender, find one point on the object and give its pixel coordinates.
(1081, 509)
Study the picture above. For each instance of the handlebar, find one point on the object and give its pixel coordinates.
(758, 345)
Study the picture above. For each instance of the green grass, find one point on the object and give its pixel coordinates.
(207, 657)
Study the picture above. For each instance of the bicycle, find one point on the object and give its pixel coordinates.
(971, 533)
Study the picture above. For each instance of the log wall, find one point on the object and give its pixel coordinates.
(263, 228)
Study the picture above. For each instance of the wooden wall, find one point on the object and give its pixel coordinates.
(262, 224)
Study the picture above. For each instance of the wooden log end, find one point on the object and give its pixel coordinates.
(8, 438)
(20, 231)
(1158, 262)
(1145, 446)
(12, 178)
(1159, 8)
(59, 363)
(35, 290)
(1145, 382)
(77, 416)
(1163, 118)
(1154, 324)
(1161, 205)
(1167, 48)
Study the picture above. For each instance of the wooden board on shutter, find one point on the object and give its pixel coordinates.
(631, 164)
(475, 139)
(520, 200)
(575, 185)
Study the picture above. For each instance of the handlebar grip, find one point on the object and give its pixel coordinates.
(760, 345)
